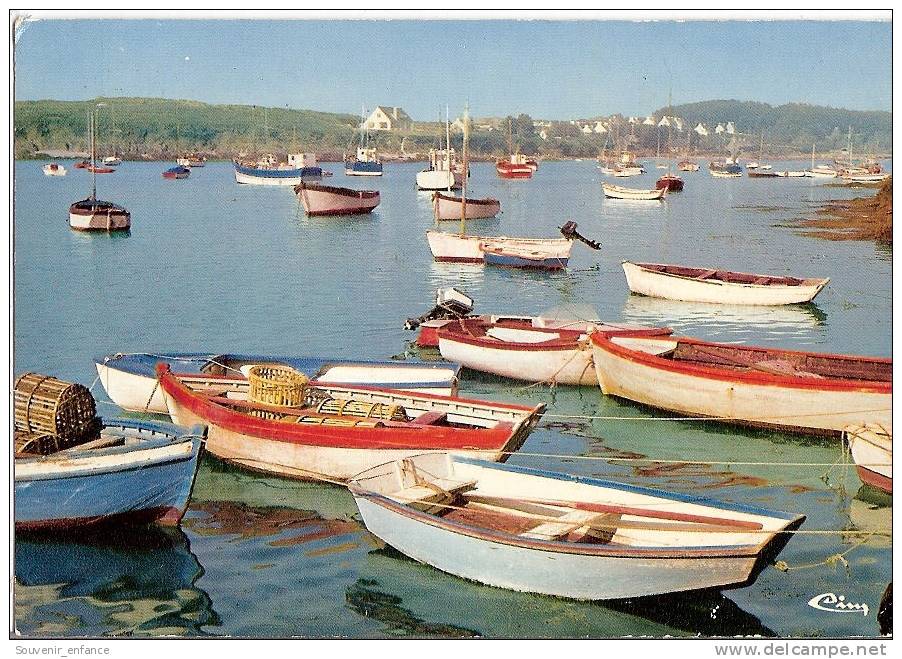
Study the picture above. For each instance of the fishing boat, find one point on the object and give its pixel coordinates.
(134, 471)
(822, 171)
(769, 387)
(559, 356)
(872, 451)
(111, 161)
(332, 200)
(53, 169)
(544, 532)
(337, 431)
(268, 171)
(177, 172)
(619, 192)
(687, 166)
(669, 182)
(724, 169)
(514, 167)
(687, 284)
(449, 207)
(533, 164)
(93, 214)
(441, 174)
(365, 162)
(82, 164)
(627, 166)
(131, 382)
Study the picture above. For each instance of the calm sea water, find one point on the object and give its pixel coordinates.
(213, 266)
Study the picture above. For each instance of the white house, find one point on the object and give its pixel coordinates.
(389, 119)
(600, 127)
(587, 129)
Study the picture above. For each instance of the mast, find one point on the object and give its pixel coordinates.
(812, 156)
(93, 164)
(850, 147)
(463, 192)
(448, 151)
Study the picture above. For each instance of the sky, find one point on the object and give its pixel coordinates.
(547, 69)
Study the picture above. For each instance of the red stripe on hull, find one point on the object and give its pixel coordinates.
(343, 211)
(874, 479)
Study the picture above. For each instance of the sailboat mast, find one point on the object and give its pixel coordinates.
(850, 146)
(812, 156)
(463, 192)
(93, 164)
(448, 150)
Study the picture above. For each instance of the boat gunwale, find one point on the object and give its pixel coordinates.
(337, 190)
(757, 378)
(488, 201)
(819, 282)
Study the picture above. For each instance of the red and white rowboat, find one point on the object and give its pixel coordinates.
(302, 442)
(448, 207)
(332, 200)
(561, 356)
(872, 451)
(799, 391)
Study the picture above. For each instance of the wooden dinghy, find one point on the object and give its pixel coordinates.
(551, 256)
(456, 248)
(620, 192)
(544, 532)
(134, 471)
(798, 391)
(686, 284)
(428, 336)
(872, 450)
(337, 431)
(561, 356)
(448, 207)
(130, 379)
(333, 200)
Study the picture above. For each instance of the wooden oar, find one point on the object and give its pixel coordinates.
(622, 510)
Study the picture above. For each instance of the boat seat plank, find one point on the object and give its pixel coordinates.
(430, 497)
(431, 418)
(566, 524)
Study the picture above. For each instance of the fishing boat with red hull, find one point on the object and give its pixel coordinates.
(670, 182)
(806, 392)
(333, 200)
(515, 167)
(337, 431)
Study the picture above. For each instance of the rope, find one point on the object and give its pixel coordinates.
(833, 559)
(709, 418)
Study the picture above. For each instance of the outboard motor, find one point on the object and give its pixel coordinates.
(570, 233)
(449, 303)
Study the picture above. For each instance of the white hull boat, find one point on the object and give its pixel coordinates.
(686, 284)
(805, 392)
(872, 452)
(447, 207)
(543, 532)
(470, 249)
(619, 192)
(53, 169)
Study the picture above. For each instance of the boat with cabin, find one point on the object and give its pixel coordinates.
(269, 171)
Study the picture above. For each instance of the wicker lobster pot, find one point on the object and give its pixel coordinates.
(45, 405)
(340, 407)
(276, 385)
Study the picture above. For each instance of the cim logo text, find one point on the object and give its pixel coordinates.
(836, 604)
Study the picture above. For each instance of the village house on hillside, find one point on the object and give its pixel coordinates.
(389, 119)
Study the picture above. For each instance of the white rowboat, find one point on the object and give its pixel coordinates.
(619, 192)
(674, 282)
(872, 451)
(543, 532)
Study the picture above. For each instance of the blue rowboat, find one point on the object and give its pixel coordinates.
(516, 257)
(544, 532)
(135, 472)
(131, 381)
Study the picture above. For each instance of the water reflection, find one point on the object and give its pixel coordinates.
(871, 511)
(803, 323)
(138, 581)
(402, 594)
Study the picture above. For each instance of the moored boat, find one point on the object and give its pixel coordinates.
(365, 163)
(178, 172)
(337, 431)
(542, 255)
(872, 451)
(544, 532)
(791, 173)
(761, 172)
(93, 214)
(83, 164)
(619, 192)
(99, 169)
(724, 169)
(560, 356)
(865, 178)
(134, 471)
(111, 161)
(53, 169)
(688, 284)
(449, 207)
(333, 200)
(687, 166)
(191, 160)
(267, 171)
(670, 182)
(770, 387)
(514, 167)
(131, 382)
(441, 174)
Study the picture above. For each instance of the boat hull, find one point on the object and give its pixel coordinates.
(617, 192)
(59, 492)
(507, 170)
(538, 259)
(452, 247)
(331, 200)
(688, 289)
(363, 168)
(438, 179)
(275, 177)
(134, 387)
(758, 400)
(99, 219)
(872, 452)
(449, 208)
